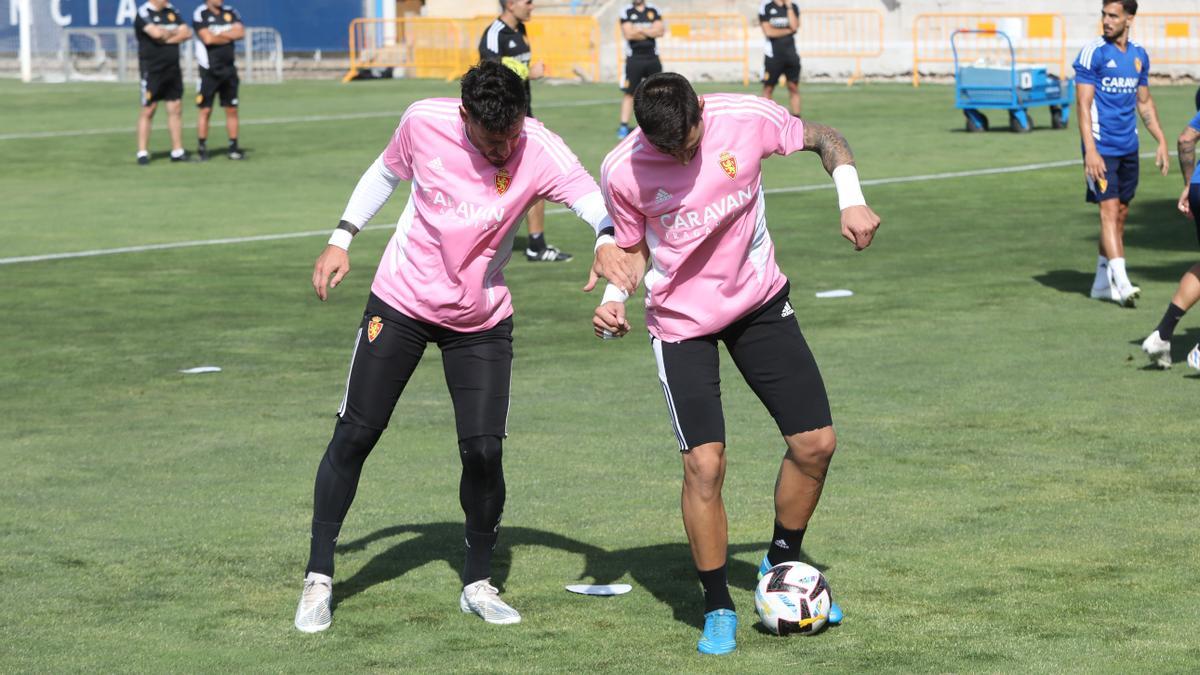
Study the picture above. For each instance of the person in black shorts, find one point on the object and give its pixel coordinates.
(159, 29)
(1158, 345)
(780, 19)
(218, 27)
(641, 24)
(505, 40)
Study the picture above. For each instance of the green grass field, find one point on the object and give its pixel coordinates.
(1013, 492)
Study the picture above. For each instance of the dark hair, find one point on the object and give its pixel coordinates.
(1130, 6)
(494, 96)
(667, 110)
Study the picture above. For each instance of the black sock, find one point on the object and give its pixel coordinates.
(320, 551)
(479, 556)
(716, 590)
(1166, 327)
(233, 144)
(537, 242)
(785, 545)
(202, 143)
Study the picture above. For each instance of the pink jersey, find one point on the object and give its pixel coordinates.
(444, 265)
(712, 260)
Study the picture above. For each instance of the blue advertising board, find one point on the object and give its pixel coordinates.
(305, 25)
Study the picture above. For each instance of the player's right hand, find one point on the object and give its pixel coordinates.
(333, 261)
(1093, 166)
(1184, 207)
(609, 321)
(537, 71)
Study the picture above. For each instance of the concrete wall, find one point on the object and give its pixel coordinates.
(1081, 18)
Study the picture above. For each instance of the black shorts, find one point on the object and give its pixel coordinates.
(211, 85)
(1194, 203)
(478, 368)
(787, 65)
(1120, 180)
(162, 85)
(638, 68)
(769, 350)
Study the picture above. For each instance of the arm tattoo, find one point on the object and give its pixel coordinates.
(829, 143)
(1187, 158)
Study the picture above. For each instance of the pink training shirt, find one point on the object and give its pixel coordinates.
(444, 265)
(712, 260)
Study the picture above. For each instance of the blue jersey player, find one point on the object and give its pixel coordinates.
(1112, 76)
(1158, 345)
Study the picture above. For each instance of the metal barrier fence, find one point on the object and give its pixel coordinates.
(1036, 38)
(700, 38)
(111, 54)
(1170, 39)
(446, 47)
(842, 33)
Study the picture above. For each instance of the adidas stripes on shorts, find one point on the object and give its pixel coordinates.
(770, 352)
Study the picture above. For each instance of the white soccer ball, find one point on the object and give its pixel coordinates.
(793, 599)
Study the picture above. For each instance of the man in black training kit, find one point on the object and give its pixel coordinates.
(780, 20)
(641, 24)
(218, 27)
(505, 41)
(159, 29)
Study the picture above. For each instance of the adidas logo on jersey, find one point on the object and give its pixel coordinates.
(787, 311)
(435, 164)
(662, 196)
(1111, 64)
(512, 44)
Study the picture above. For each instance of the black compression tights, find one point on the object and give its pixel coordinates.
(337, 481)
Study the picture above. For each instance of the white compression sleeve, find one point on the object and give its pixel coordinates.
(371, 193)
(590, 209)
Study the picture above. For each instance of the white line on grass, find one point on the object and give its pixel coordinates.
(304, 119)
(1020, 168)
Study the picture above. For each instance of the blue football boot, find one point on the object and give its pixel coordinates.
(835, 610)
(720, 632)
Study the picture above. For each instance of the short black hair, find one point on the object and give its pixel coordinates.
(1130, 6)
(494, 96)
(667, 109)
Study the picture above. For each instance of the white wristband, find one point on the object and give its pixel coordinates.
(845, 179)
(341, 239)
(602, 240)
(614, 294)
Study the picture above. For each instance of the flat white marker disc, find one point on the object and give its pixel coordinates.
(839, 293)
(603, 589)
(201, 369)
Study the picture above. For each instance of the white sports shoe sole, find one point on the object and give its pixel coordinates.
(1128, 297)
(1158, 349)
(1193, 359)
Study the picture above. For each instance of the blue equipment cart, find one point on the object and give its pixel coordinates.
(1013, 88)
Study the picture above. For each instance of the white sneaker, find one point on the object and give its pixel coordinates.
(1105, 293)
(1193, 359)
(315, 613)
(1158, 349)
(483, 598)
(1128, 296)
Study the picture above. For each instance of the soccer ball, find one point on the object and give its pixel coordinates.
(793, 598)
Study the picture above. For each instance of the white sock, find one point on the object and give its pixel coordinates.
(178, 152)
(1116, 273)
(1101, 280)
(143, 153)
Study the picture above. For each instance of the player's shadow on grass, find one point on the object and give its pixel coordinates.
(1158, 224)
(665, 570)
(1074, 282)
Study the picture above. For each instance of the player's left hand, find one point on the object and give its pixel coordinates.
(1162, 159)
(858, 225)
(1184, 207)
(616, 265)
(537, 70)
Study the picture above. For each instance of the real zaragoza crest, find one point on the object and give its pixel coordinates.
(729, 163)
(374, 328)
(503, 180)
(1137, 65)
